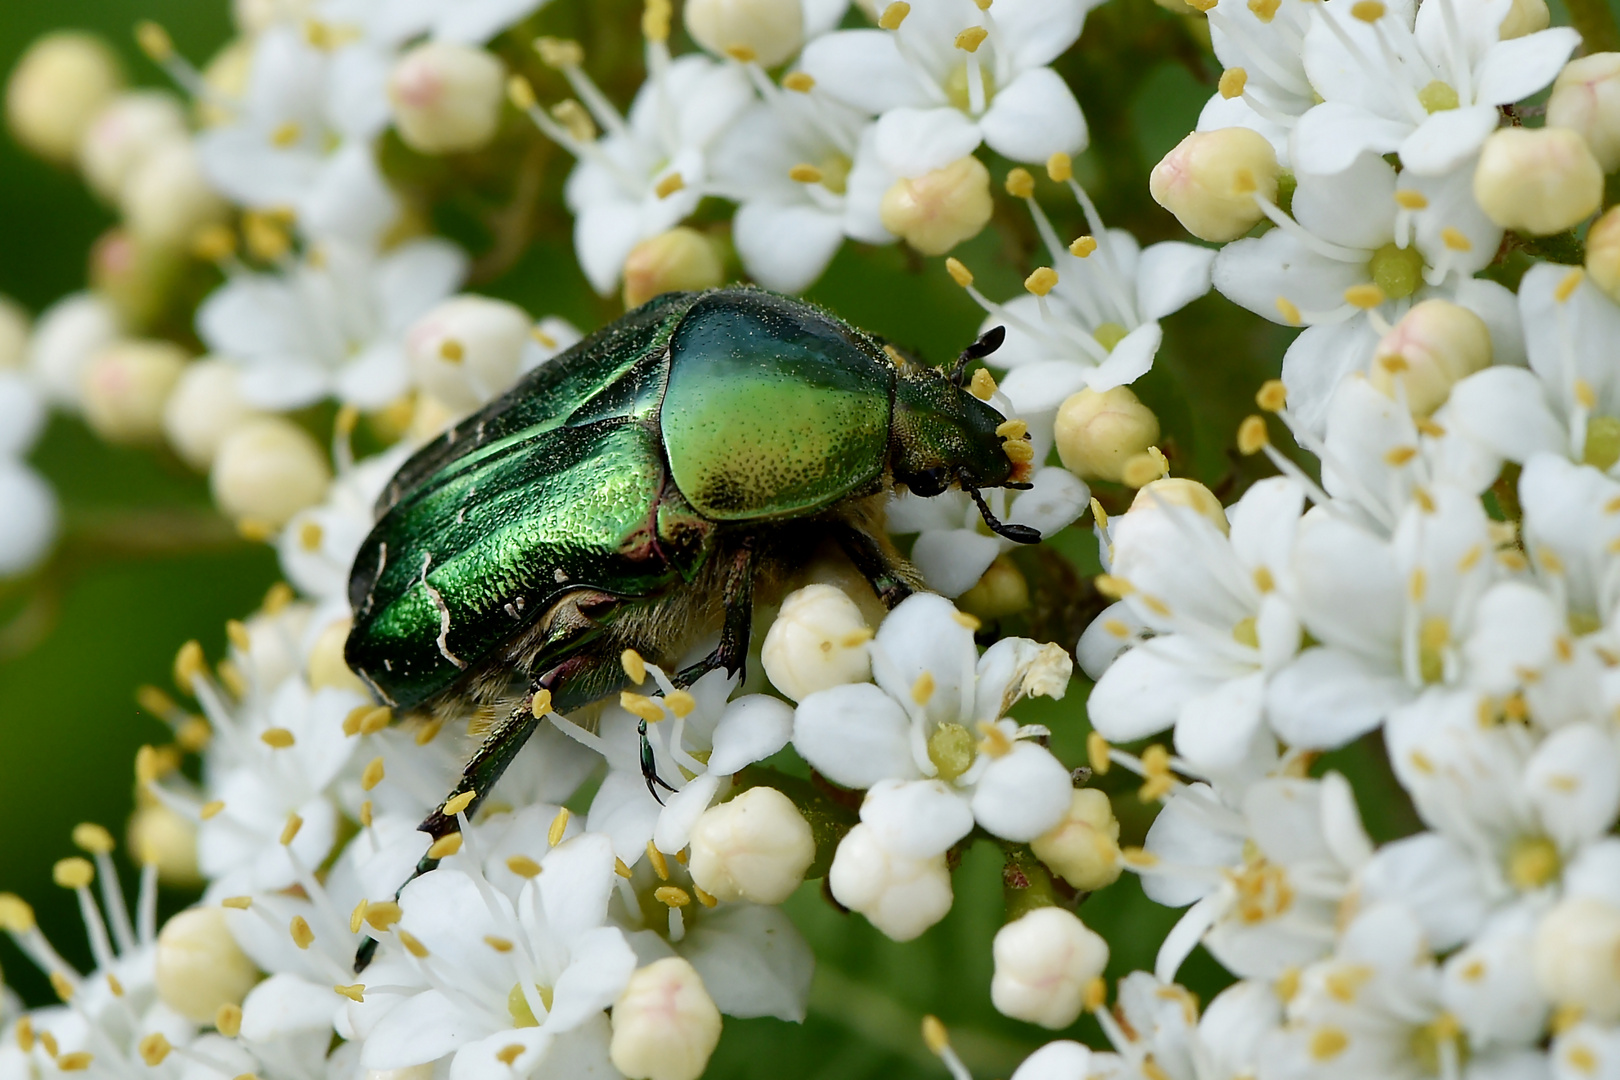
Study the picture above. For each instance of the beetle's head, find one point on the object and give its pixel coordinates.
(943, 437)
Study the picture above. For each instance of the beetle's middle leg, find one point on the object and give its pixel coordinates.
(876, 565)
(732, 652)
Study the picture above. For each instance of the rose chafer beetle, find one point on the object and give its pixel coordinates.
(630, 493)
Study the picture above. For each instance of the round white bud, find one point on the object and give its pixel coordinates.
(205, 407)
(938, 210)
(274, 644)
(1537, 180)
(124, 134)
(134, 276)
(1524, 17)
(14, 325)
(1434, 345)
(1083, 848)
(68, 334)
(817, 641)
(1044, 962)
(665, 1025)
(199, 966)
(167, 199)
(160, 837)
(467, 350)
(1603, 252)
(1586, 99)
(327, 668)
(1097, 432)
(755, 847)
(1210, 180)
(901, 897)
(1577, 957)
(766, 31)
(1179, 491)
(57, 88)
(126, 386)
(267, 470)
(447, 97)
(679, 259)
(29, 524)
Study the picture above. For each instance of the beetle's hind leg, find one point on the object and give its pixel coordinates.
(732, 652)
(878, 566)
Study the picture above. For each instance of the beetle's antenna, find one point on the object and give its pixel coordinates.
(1018, 534)
(988, 342)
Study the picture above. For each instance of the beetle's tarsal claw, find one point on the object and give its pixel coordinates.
(988, 342)
(649, 766)
(1018, 534)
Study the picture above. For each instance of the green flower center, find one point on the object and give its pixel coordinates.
(958, 89)
(1602, 442)
(1397, 271)
(950, 748)
(1109, 334)
(518, 1005)
(1438, 97)
(1245, 633)
(1532, 862)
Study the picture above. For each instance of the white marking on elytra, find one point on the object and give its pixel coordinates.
(444, 615)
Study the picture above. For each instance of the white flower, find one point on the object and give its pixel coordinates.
(900, 896)
(65, 338)
(951, 76)
(1264, 44)
(1421, 80)
(319, 543)
(1156, 1030)
(333, 324)
(1045, 962)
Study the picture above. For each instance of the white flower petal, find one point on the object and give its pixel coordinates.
(1513, 70)
(1446, 139)
(1170, 276)
(751, 729)
(916, 819)
(1022, 794)
(1034, 117)
(911, 142)
(854, 735)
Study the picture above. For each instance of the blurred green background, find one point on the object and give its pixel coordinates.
(142, 566)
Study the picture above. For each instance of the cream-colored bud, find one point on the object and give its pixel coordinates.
(819, 640)
(1586, 98)
(14, 327)
(123, 134)
(1537, 180)
(204, 409)
(1000, 591)
(199, 966)
(1083, 848)
(267, 470)
(900, 896)
(665, 1024)
(467, 350)
(1603, 253)
(767, 31)
(1045, 961)
(681, 258)
(327, 668)
(1179, 491)
(136, 277)
(126, 386)
(755, 847)
(1433, 346)
(1098, 432)
(938, 210)
(167, 200)
(160, 837)
(1210, 180)
(447, 97)
(1524, 17)
(1577, 957)
(69, 333)
(57, 88)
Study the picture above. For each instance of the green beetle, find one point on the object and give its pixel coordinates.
(627, 495)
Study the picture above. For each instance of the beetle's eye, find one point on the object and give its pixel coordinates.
(929, 482)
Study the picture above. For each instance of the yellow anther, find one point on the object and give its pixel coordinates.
(704, 898)
(655, 18)
(381, 914)
(237, 903)
(302, 935)
(231, 676)
(1097, 753)
(255, 530)
(373, 773)
(77, 1061)
(228, 1020)
(1366, 296)
(445, 846)
(343, 424)
(351, 722)
(959, 273)
(73, 872)
(672, 896)
(1012, 429)
(1289, 311)
(188, 665)
(640, 706)
(211, 809)
(934, 1035)
(801, 82)
(1252, 437)
(1096, 995)
(805, 173)
(523, 866)
(1265, 10)
(1272, 396)
(62, 985)
(213, 243)
(669, 185)
(540, 703)
(1454, 239)
(289, 831)
(454, 806)
(1042, 281)
(282, 136)
(1233, 80)
(1136, 856)
(620, 868)
(634, 666)
(1585, 396)
(680, 702)
(277, 738)
(509, 1053)
(1060, 167)
(1327, 1042)
(1140, 470)
(1099, 514)
(154, 41)
(1399, 455)
(1407, 199)
(357, 917)
(1368, 10)
(1566, 287)
(542, 339)
(520, 93)
(355, 993)
(156, 702)
(93, 838)
(995, 741)
(559, 53)
(1020, 184)
(1115, 588)
(894, 15)
(970, 39)
(559, 825)
(961, 618)
(452, 351)
(310, 535)
(114, 985)
(1083, 246)
(1417, 585)
(660, 865)
(375, 720)
(499, 944)
(922, 691)
(1263, 579)
(237, 634)
(982, 385)
(412, 944)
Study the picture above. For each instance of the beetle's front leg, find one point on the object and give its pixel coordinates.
(876, 565)
(732, 652)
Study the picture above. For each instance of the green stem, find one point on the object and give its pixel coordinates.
(1595, 21)
(1026, 883)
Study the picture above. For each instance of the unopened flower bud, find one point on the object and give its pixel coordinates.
(160, 837)
(1524, 17)
(1586, 99)
(755, 847)
(1045, 960)
(56, 90)
(29, 524)
(447, 97)
(766, 31)
(1098, 432)
(1577, 957)
(205, 407)
(68, 334)
(468, 349)
(135, 276)
(1210, 180)
(14, 325)
(1000, 591)
(123, 134)
(1433, 346)
(681, 258)
(1537, 180)
(819, 640)
(199, 966)
(900, 896)
(1083, 848)
(327, 668)
(1179, 491)
(938, 210)
(167, 200)
(267, 470)
(665, 1025)
(126, 386)
(1603, 253)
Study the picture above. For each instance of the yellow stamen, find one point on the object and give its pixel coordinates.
(801, 82)
(559, 53)
(894, 15)
(1407, 199)
(302, 935)
(354, 993)
(669, 185)
(959, 273)
(672, 896)
(1083, 246)
(228, 1020)
(73, 873)
(210, 810)
(289, 831)
(373, 774)
(1060, 167)
(1233, 80)
(445, 846)
(559, 825)
(454, 806)
(1273, 395)
(277, 738)
(1020, 184)
(970, 39)
(522, 866)
(1252, 437)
